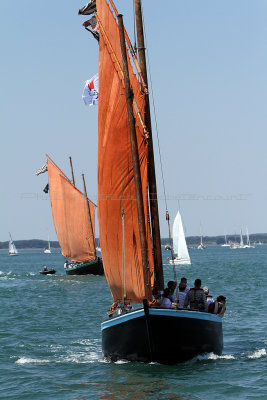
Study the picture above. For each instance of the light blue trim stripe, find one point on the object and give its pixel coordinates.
(164, 312)
(122, 318)
(186, 314)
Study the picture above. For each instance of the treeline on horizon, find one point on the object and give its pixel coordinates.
(191, 240)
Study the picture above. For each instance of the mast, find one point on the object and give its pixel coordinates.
(72, 173)
(248, 241)
(153, 200)
(241, 239)
(136, 164)
(89, 214)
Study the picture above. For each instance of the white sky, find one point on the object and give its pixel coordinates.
(208, 63)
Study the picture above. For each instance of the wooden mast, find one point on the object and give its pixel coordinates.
(159, 278)
(136, 164)
(72, 173)
(90, 218)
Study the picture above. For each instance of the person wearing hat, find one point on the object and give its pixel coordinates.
(209, 298)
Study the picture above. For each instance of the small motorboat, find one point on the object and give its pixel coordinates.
(47, 271)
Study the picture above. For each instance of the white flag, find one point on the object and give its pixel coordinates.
(90, 92)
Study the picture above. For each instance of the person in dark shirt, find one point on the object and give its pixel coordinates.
(196, 298)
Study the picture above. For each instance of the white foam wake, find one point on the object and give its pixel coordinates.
(212, 356)
(258, 354)
(25, 360)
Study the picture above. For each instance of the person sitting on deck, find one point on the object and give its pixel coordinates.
(209, 298)
(165, 301)
(196, 298)
(45, 268)
(218, 307)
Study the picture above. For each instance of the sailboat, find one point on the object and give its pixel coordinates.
(248, 245)
(225, 244)
(128, 211)
(201, 245)
(48, 249)
(73, 215)
(179, 243)
(240, 245)
(12, 251)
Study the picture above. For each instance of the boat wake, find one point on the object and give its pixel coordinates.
(83, 351)
(212, 356)
(28, 360)
(258, 354)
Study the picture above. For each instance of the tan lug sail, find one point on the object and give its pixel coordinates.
(117, 210)
(70, 216)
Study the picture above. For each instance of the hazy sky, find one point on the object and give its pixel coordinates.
(208, 63)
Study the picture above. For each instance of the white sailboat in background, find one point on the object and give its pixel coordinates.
(226, 244)
(179, 243)
(12, 248)
(48, 249)
(201, 245)
(248, 245)
(238, 245)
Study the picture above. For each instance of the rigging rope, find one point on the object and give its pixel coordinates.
(160, 158)
(134, 26)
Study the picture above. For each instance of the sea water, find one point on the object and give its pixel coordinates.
(51, 337)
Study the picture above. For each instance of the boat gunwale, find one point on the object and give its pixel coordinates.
(182, 313)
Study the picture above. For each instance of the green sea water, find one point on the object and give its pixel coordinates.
(50, 333)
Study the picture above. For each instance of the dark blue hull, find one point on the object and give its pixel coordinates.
(166, 336)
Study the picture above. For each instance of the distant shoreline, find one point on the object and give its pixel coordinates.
(191, 241)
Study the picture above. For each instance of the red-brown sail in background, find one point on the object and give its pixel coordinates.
(70, 216)
(57, 207)
(117, 210)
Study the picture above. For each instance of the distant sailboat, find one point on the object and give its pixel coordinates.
(179, 242)
(248, 245)
(73, 215)
(226, 244)
(240, 245)
(48, 249)
(12, 248)
(201, 245)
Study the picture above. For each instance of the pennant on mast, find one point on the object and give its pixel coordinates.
(88, 9)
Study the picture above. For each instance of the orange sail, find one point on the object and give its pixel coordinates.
(70, 216)
(117, 209)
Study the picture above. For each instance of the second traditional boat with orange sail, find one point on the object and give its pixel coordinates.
(73, 215)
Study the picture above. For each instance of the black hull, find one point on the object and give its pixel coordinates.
(175, 336)
(94, 267)
(49, 272)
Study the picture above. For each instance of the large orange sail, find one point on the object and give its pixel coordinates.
(117, 209)
(71, 217)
